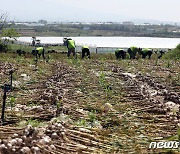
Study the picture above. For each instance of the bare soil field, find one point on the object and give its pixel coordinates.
(97, 105)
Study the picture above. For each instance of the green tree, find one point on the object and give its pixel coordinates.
(7, 35)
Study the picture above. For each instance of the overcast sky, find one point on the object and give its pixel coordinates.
(91, 10)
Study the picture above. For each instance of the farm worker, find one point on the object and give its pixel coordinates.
(33, 41)
(132, 52)
(120, 53)
(71, 47)
(146, 52)
(40, 51)
(161, 52)
(85, 51)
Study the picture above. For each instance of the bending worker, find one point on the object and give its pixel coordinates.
(85, 51)
(38, 52)
(71, 47)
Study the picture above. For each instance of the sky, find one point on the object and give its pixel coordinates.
(91, 10)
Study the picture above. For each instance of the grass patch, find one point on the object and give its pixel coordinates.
(173, 54)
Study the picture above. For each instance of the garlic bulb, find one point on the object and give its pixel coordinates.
(54, 136)
(26, 150)
(35, 150)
